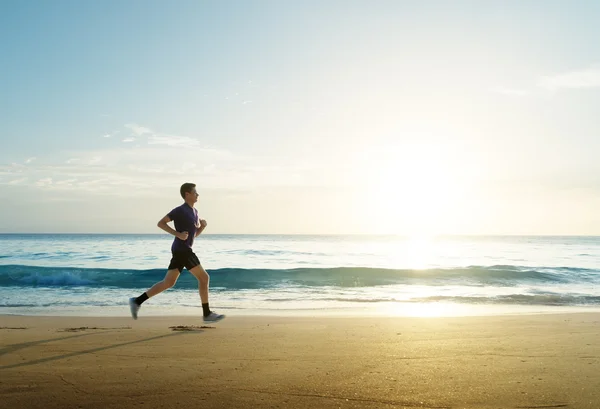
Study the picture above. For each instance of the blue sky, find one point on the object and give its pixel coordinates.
(302, 117)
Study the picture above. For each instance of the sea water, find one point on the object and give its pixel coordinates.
(45, 274)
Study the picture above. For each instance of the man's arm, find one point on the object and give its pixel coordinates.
(202, 227)
(162, 223)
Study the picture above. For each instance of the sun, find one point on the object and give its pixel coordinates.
(410, 191)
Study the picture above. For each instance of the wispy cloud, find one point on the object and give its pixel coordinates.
(140, 168)
(29, 160)
(152, 137)
(576, 79)
(585, 78)
(138, 130)
(17, 181)
(109, 135)
(173, 140)
(510, 91)
(44, 182)
(65, 182)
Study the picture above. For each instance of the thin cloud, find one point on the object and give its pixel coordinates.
(510, 91)
(188, 166)
(65, 182)
(44, 182)
(147, 169)
(17, 181)
(13, 168)
(109, 135)
(127, 169)
(586, 78)
(173, 140)
(29, 160)
(156, 138)
(138, 130)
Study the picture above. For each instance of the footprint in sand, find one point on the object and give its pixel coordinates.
(189, 328)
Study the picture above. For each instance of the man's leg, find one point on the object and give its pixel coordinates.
(203, 282)
(168, 282)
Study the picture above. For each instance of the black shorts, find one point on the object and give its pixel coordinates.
(183, 259)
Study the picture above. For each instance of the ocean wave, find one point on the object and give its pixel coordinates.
(238, 278)
(246, 252)
(558, 300)
(524, 299)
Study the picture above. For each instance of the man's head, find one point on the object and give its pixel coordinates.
(188, 192)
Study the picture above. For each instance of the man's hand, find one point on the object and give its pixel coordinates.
(182, 235)
(201, 227)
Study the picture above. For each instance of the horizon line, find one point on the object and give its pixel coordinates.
(310, 234)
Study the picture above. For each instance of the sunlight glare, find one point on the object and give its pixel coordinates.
(430, 310)
(410, 191)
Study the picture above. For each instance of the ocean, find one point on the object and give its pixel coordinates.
(81, 274)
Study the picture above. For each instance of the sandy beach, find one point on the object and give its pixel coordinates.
(534, 361)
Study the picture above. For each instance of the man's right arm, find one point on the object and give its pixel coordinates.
(162, 223)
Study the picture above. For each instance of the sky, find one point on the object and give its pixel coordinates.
(301, 117)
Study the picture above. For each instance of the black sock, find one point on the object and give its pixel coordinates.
(141, 299)
(205, 310)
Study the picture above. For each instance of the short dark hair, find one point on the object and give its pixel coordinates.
(186, 188)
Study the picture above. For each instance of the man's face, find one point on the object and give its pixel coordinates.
(193, 195)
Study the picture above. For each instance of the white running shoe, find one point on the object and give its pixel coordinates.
(214, 317)
(134, 307)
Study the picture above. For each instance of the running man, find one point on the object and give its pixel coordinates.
(187, 227)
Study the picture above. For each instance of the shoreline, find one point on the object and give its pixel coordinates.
(277, 315)
(393, 310)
